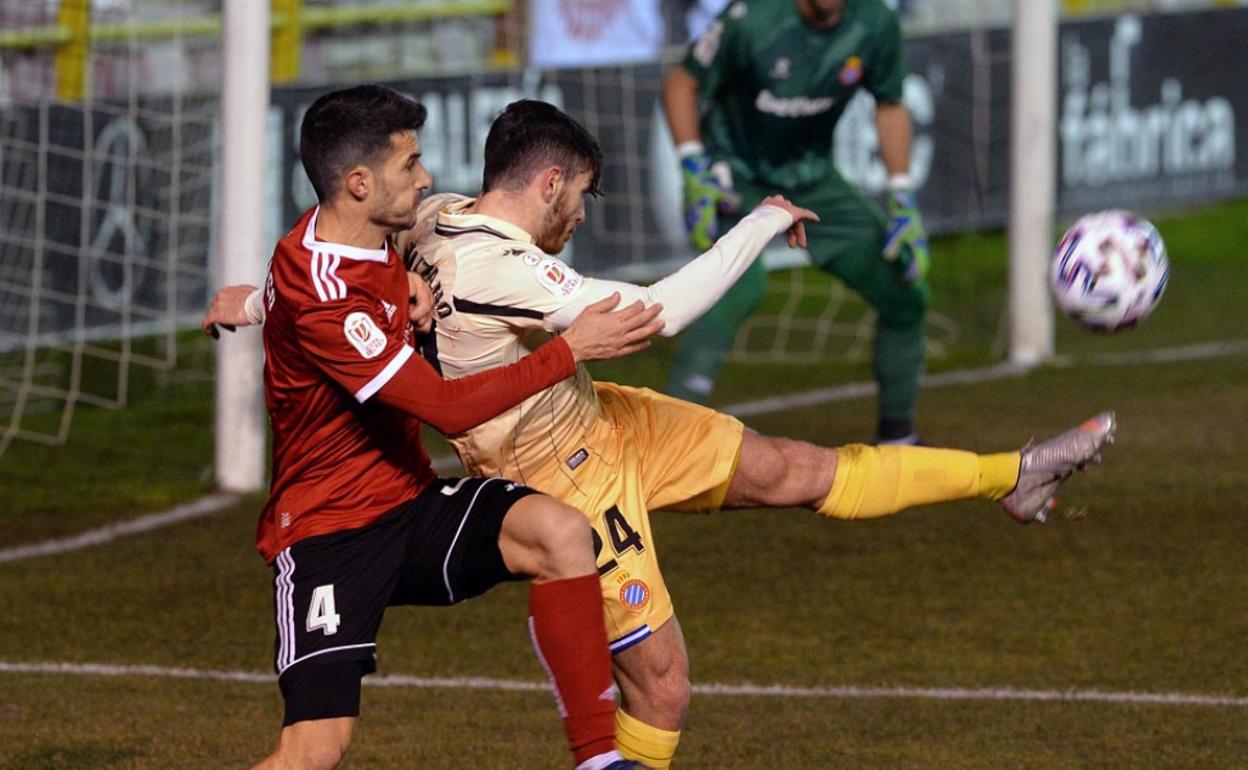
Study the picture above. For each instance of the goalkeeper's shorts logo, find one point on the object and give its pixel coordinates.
(635, 595)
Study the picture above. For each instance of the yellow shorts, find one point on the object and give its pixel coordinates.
(645, 452)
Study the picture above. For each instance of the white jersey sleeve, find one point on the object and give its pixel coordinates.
(696, 287)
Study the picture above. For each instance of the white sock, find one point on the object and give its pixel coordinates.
(600, 761)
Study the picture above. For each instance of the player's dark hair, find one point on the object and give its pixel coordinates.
(531, 136)
(351, 127)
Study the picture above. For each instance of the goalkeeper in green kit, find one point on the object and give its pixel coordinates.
(752, 108)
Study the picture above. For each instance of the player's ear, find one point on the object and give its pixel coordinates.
(359, 182)
(552, 181)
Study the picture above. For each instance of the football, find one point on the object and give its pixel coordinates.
(1109, 270)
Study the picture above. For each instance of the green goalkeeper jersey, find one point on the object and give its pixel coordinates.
(775, 87)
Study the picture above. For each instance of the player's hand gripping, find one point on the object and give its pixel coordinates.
(420, 303)
(230, 309)
(797, 231)
(598, 334)
(708, 194)
(905, 240)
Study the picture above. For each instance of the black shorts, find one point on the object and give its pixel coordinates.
(330, 591)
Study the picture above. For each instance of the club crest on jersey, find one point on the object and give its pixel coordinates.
(635, 595)
(851, 71)
(364, 335)
(558, 278)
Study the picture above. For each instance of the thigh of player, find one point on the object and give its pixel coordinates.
(685, 453)
(330, 592)
(453, 549)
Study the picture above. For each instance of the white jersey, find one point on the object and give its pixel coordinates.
(496, 291)
(500, 297)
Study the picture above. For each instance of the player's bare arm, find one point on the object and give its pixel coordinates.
(680, 102)
(892, 124)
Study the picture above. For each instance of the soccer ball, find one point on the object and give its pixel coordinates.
(1109, 270)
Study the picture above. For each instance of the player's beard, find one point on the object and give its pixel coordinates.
(558, 224)
(395, 212)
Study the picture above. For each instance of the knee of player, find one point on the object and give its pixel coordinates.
(905, 307)
(325, 757)
(564, 539)
(666, 691)
(319, 752)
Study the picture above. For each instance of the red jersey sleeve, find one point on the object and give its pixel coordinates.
(454, 406)
(345, 341)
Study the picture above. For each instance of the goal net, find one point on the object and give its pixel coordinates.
(105, 205)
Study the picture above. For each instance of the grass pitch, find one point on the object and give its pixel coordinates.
(1138, 588)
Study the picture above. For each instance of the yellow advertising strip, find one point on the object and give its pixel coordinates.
(286, 48)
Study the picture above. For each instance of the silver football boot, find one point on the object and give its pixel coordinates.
(1046, 465)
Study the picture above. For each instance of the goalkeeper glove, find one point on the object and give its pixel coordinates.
(708, 193)
(905, 241)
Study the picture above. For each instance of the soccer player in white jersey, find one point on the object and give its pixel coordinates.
(618, 452)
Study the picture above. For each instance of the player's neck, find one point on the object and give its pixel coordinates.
(509, 208)
(336, 226)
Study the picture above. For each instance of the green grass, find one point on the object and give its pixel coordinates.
(1139, 587)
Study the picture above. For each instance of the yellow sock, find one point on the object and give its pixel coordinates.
(637, 740)
(876, 481)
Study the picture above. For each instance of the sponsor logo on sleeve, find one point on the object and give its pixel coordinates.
(364, 335)
(558, 278)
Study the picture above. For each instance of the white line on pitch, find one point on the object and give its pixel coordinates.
(740, 690)
(192, 510)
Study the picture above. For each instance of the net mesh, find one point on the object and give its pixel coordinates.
(105, 200)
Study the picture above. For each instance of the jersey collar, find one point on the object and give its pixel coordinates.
(452, 223)
(311, 243)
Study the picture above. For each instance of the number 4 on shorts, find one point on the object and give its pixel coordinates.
(321, 612)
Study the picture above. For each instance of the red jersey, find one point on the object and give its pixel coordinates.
(346, 392)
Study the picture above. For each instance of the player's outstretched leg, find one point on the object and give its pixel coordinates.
(1046, 465)
(857, 481)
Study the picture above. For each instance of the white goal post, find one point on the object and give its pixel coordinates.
(1033, 137)
(239, 409)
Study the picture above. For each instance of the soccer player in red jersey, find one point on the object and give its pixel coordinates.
(356, 520)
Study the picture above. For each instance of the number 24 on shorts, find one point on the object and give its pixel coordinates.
(623, 538)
